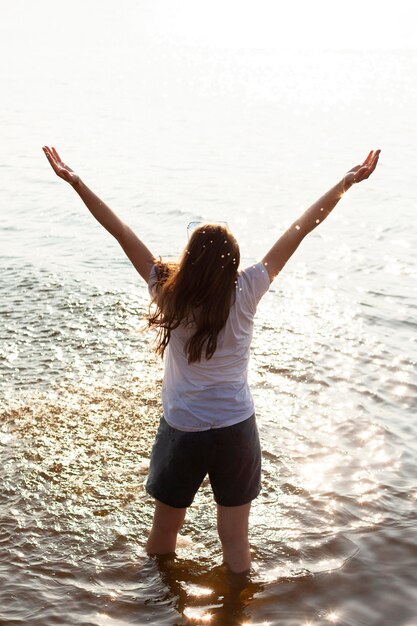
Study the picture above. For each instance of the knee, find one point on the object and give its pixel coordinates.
(167, 521)
(229, 537)
(167, 526)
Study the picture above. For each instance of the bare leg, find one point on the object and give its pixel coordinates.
(167, 521)
(232, 526)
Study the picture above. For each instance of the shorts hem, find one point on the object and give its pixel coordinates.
(165, 501)
(246, 501)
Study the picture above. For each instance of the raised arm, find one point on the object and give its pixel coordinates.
(141, 258)
(287, 244)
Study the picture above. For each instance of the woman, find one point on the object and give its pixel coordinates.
(203, 312)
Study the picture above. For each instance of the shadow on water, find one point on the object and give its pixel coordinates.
(217, 595)
(177, 592)
(189, 592)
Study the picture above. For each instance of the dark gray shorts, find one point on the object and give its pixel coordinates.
(180, 460)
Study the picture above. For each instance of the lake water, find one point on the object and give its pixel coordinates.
(167, 132)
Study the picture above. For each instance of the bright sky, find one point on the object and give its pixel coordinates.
(292, 23)
(329, 24)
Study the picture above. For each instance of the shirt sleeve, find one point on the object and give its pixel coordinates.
(152, 282)
(253, 283)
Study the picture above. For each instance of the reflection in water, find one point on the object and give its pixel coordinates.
(215, 596)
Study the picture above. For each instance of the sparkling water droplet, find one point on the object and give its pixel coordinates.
(297, 227)
(317, 221)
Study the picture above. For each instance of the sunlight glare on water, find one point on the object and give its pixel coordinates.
(178, 124)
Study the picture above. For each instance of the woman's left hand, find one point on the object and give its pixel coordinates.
(60, 168)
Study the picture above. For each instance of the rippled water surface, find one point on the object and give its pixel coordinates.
(249, 136)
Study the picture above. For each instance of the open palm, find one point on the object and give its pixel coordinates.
(60, 168)
(363, 171)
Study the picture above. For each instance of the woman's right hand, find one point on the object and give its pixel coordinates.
(361, 172)
(60, 168)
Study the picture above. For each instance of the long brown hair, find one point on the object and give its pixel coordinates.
(198, 290)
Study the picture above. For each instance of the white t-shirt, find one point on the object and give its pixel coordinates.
(214, 393)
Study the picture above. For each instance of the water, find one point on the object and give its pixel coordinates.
(169, 131)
